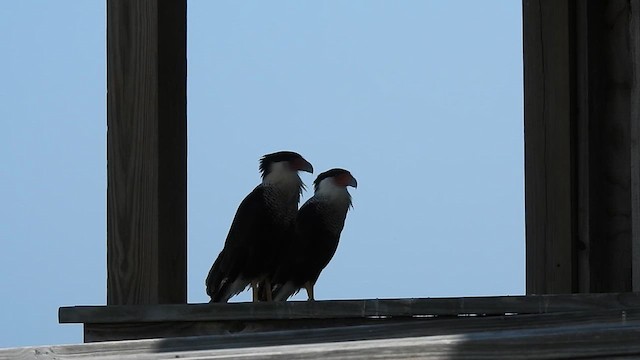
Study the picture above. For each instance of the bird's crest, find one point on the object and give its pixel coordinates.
(332, 174)
(292, 157)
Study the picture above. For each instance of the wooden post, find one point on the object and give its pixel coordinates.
(607, 116)
(581, 152)
(549, 150)
(634, 44)
(146, 152)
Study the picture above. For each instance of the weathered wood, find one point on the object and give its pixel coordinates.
(103, 323)
(634, 43)
(609, 77)
(582, 148)
(334, 309)
(146, 151)
(360, 328)
(606, 162)
(599, 334)
(169, 329)
(549, 152)
(581, 158)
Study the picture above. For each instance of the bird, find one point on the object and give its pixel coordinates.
(260, 227)
(317, 230)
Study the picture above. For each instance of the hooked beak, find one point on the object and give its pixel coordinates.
(353, 182)
(304, 165)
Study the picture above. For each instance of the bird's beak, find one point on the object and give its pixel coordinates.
(304, 165)
(353, 182)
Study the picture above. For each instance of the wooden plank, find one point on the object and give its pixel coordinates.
(606, 145)
(334, 309)
(603, 334)
(169, 329)
(549, 149)
(634, 43)
(358, 328)
(609, 77)
(146, 151)
(581, 154)
(582, 148)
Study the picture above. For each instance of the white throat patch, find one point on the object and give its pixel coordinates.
(281, 174)
(327, 189)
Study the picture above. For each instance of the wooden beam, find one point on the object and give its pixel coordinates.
(607, 93)
(549, 147)
(581, 146)
(588, 334)
(333, 309)
(583, 211)
(146, 152)
(105, 323)
(317, 330)
(634, 43)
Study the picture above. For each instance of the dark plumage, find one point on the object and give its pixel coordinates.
(318, 226)
(260, 227)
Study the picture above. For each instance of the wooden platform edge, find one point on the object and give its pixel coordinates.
(410, 307)
(609, 336)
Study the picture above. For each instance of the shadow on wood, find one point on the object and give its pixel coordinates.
(102, 323)
(588, 333)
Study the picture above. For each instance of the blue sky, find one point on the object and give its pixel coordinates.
(420, 100)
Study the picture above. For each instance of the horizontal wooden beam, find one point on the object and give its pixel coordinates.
(333, 309)
(592, 334)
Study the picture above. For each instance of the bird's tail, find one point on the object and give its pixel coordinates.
(284, 291)
(214, 279)
(221, 286)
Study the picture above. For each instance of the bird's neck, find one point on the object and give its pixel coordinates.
(333, 195)
(333, 207)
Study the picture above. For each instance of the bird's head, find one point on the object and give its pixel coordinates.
(334, 180)
(283, 164)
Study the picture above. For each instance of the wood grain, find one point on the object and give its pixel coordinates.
(583, 219)
(150, 330)
(594, 334)
(318, 330)
(609, 78)
(634, 44)
(335, 309)
(146, 151)
(581, 154)
(549, 172)
(608, 153)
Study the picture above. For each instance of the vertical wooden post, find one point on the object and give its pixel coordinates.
(549, 146)
(146, 151)
(608, 121)
(583, 211)
(634, 43)
(582, 158)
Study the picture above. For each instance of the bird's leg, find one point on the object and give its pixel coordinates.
(309, 287)
(267, 289)
(256, 294)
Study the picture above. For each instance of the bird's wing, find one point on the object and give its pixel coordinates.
(251, 222)
(317, 234)
(309, 252)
